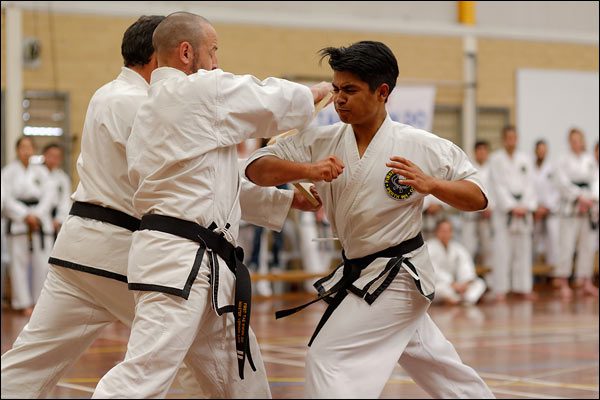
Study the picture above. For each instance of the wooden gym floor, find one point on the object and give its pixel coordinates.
(544, 349)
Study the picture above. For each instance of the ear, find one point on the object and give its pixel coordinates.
(186, 53)
(383, 92)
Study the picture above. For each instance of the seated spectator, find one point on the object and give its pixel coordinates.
(456, 281)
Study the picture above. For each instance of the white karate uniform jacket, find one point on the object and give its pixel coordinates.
(545, 187)
(452, 264)
(182, 158)
(102, 168)
(29, 183)
(368, 208)
(571, 169)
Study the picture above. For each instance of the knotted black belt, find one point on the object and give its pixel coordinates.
(586, 185)
(29, 203)
(105, 214)
(232, 256)
(352, 270)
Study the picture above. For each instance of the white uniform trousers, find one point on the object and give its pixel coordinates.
(71, 312)
(356, 351)
(512, 260)
(168, 329)
(26, 266)
(576, 234)
(471, 295)
(546, 239)
(476, 236)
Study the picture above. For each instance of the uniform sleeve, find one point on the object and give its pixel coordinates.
(529, 200)
(13, 209)
(465, 268)
(264, 206)
(64, 201)
(567, 190)
(248, 107)
(49, 194)
(295, 148)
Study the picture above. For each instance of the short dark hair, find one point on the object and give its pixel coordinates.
(481, 143)
(373, 62)
(540, 142)
(442, 221)
(508, 128)
(20, 140)
(136, 47)
(52, 145)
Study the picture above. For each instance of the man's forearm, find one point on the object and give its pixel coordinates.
(273, 171)
(463, 195)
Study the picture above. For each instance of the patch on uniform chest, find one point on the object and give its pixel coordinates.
(395, 189)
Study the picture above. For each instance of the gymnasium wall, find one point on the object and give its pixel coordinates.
(85, 54)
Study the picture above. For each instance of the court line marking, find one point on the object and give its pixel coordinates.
(526, 394)
(509, 379)
(283, 361)
(82, 388)
(562, 370)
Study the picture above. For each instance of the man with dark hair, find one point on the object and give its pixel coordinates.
(378, 298)
(53, 158)
(192, 291)
(29, 196)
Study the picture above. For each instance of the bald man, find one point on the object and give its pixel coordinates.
(192, 291)
(86, 289)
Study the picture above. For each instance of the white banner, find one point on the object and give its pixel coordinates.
(411, 105)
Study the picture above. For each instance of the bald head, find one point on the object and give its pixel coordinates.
(184, 40)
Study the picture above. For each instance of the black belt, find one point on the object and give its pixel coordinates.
(583, 185)
(105, 214)
(352, 271)
(232, 256)
(29, 203)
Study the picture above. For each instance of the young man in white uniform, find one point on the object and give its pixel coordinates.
(456, 279)
(183, 263)
(383, 290)
(476, 229)
(29, 197)
(546, 229)
(53, 159)
(511, 173)
(576, 175)
(87, 288)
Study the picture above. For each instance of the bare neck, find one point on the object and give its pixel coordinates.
(365, 132)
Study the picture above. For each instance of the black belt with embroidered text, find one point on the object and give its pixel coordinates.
(352, 270)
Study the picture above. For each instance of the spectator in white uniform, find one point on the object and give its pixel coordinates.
(456, 279)
(576, 173)
(53, 160)
(29, 197)
(476, 228)
(545, 233)
(512, 183)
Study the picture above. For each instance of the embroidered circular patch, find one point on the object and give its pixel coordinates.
(394, 188)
